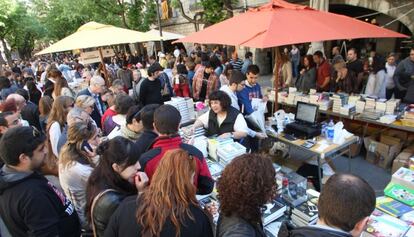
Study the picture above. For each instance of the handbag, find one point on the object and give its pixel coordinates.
(95, 200)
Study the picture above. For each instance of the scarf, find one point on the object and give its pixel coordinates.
(129, 134)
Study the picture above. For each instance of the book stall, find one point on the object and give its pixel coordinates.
(297, 199)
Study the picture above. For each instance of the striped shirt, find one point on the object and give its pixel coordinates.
(237, 65)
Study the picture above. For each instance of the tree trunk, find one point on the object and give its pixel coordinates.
(6, 52)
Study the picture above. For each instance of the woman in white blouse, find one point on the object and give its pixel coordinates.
(76, 164)
(222, 119)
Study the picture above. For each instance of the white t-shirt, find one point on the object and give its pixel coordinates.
(239, 126)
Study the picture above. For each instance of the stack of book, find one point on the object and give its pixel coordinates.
(325, 104)
(370, 104)
(337, 104)
(391, 105)
(313, 99)
(185, 106)
(371, 115)
(291, 98)
(305, 214)
(360, 106)
(215, 168)
(273, 211)
(381, 105)
(401, 187)
(353, 99)
(187, 134)
(348, 109)
(339, 100)
(228, 151)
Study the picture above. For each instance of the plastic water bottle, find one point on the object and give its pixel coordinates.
(323, 129)
(330, 131)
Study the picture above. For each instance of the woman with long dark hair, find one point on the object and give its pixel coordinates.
(112, 180)
(245, 186)
(307, 76)
(168, 207)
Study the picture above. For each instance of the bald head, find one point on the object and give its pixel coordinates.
(97, 84)
(20, 101)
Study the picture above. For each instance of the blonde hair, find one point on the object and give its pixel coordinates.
(84, 101)
(72, 150)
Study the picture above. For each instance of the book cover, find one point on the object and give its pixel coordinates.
(400, 193)
(273, 211)
(307, 211)
(404, 177)
(382, 224)
(408, 218)
(392, 207)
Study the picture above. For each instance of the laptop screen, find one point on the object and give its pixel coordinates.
(306, 112)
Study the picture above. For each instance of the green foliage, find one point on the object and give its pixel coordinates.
(63, 17)
(19, 27)
(139, 21)
(213, 11)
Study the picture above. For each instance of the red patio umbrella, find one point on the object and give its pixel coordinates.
(281, 23)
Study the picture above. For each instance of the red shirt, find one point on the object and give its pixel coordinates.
(108, 113)
(324, 71)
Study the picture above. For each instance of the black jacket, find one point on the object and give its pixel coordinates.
(309, 231)
(144, 142)
(31, 206)
(30, 112)
(104, 208)
(96, 116)
(234, 226)
(123, 223)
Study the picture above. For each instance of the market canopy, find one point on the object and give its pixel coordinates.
(166, 35)
(93, 34)
(281, 23)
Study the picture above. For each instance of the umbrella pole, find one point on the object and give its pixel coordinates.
(104, 67)
(276, 75)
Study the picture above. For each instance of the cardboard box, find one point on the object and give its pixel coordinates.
(402, 160)
(382, 150)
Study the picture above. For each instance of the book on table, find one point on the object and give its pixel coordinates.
(382, 224)
(404, 177)
(400, 193)
(273, 211)
(306, 211)
(392, 207)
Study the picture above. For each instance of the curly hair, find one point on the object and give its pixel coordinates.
(246, 184)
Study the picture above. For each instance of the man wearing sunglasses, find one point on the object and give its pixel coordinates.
(29, 204)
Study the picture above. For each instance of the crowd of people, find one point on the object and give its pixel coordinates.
(376, 75)
(107, 159)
